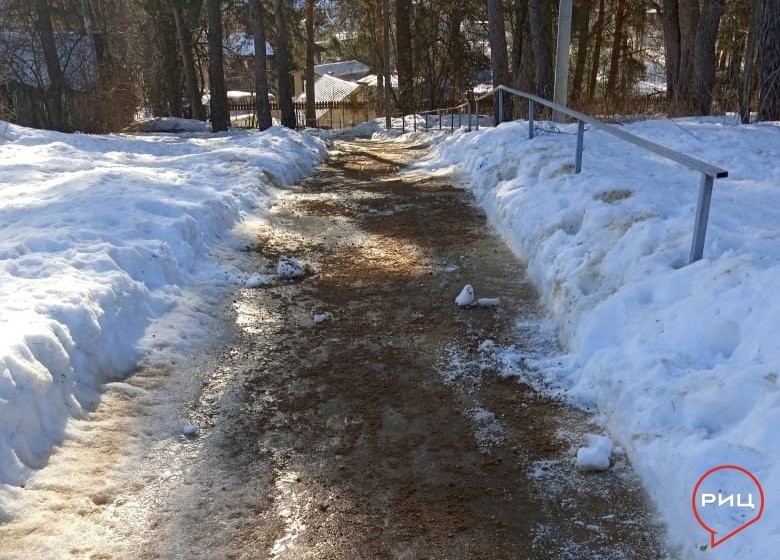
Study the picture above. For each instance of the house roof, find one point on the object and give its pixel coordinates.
(22, 60)
(242, 44)
(330, 88)
(371, 80)
(342, 68)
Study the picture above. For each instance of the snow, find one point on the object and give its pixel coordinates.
(173, 124)
(680, 362)
(190, 430)
(488, 302)
(102, 235)
(465, 297)
(259, 280)
(320, 318)
(292, 269)
(596, 453)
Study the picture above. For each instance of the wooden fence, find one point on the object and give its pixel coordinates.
(330, 114)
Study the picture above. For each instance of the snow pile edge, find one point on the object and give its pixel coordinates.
(99, 235)
(681, 361)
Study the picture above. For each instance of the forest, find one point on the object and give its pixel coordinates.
(100, 65)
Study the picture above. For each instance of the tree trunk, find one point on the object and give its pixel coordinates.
(311, 111)
(598, 31)
(671, 46)
(403, 54)
(89, 31)
(57, 85)
(617, 49)
(457, 53)
(188, 61)
(749, 60)
(379, 37)
(688, 17)
(583, 39)
(769, 72)
(704, 57)
(388, 90)
(283, 66)
(499, 63)
(220, 116)
(262, 106)
(540, 19)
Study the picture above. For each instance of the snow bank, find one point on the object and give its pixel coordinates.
(682, 361)
(98, 235)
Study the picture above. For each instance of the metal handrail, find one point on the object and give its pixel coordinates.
(687, 161)
(708, 171)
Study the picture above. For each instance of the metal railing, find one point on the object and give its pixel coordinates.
(708, 171)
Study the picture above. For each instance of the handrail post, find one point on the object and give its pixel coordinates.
(500, 107)
(580, 142)
(702, 214)
(531, 115)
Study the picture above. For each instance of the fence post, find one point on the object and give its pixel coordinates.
(702, 213)
(500, 106)
(476, 110)
(531, 114)
(469, 113)
(460, 117)
(580, 141)
(414, 120)
(426, 122)
(438, 114)
(452, 120)
(403, 123)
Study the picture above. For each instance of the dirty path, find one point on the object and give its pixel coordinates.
(382, 432)
(390, 430)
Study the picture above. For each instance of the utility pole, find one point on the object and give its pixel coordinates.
(386, 40)
(561, 88)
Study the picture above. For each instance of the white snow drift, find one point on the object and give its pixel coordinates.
(682, 361)
(98, 235)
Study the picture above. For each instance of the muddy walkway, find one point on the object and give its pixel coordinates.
(390, 430)
(381, 432)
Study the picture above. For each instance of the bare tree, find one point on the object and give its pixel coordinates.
(598, 32)
(184, 35)
(220, 117)
(523, 72)
(769, 72)
(749, 60)
(57, 85)
(283, 66)
(262, 105)
(704, 57)
(540, 18)
(403, 50)
(671, 24)
(499, 61)
(311, 110)
(617, 48)
(583, 37)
